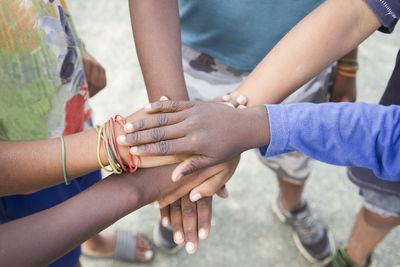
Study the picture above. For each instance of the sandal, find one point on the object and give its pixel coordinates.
(125, 248)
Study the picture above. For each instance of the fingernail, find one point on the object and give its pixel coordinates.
(241, 100)
(178, 237)
(164, 98)
(226, 97)
(202, 233)
(156, 204)
(177, 177)
(134, 150)
(165, 221)
(148, 106)
(195, 197)
(228, 104)
(148, 254)
(128, 127)
(189, 247)
(121, 139)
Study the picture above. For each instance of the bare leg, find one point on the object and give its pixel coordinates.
(290, 194)
(102, 245)
(368, 231)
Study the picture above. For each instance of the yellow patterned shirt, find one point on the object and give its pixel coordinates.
(43, 90)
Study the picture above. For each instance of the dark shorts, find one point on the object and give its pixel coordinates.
(17, 206)
(380, 196)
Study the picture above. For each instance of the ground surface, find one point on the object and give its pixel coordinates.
(245, 232)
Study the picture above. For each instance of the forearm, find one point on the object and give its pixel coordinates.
(30, 166)
(156, 29)
(326, 34)
(349, 134)
(39, 239)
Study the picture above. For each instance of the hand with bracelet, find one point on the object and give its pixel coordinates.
(43, 164)
(191, 131)
(344, 83)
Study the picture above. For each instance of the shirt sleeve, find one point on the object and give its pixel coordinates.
(347, 134)
(388, 12)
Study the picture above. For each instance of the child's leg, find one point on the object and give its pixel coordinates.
(292, 170)
(379, 215)
(290, 194)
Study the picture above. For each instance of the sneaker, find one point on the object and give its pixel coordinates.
(164, 240)
(340, 259)
(311, 237)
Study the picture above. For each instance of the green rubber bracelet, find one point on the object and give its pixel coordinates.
(63, 161)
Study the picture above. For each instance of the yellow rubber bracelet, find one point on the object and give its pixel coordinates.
(345, 74)
(98, 150)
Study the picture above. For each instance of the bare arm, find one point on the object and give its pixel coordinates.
(326, 34)
(30, 166)
(41, 238)
(156, 30)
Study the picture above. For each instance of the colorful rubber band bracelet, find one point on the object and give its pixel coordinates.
(98, 149)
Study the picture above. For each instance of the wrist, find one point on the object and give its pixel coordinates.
(257, 128)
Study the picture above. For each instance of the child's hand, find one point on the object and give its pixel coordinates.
(237, 101)
(211, 133)
(343, 89)
(95, 74)
(204, 183)
(190, 221)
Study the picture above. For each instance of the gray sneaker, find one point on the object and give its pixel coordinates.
(163, 239)
(311, 237)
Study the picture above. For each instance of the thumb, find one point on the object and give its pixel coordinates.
(189, 166)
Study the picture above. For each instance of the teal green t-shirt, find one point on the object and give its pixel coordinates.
(239, 33)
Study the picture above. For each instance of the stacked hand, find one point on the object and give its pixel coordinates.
(210, 132)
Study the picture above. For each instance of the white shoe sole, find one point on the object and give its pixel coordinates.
(297, 241)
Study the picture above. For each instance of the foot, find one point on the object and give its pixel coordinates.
(311, 237)
(341, 259)
(164, 240)
(103, 245)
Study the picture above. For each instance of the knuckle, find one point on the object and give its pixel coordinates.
(190, 168)
(203, 204)
(163, 147)
(138, 125)
(132, 138)
(145, 148)
(189, 211)
(190, 231)
(162, 119)
(204, 222)
(174, 105)
(157, 134)
(175, 208)
(176, 226)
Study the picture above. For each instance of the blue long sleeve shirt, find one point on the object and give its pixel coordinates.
(347, 134)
